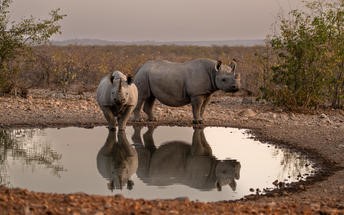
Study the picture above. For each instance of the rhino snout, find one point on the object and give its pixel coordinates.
(233, 89)
(119, 101)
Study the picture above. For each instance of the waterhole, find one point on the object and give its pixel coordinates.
(209, 164)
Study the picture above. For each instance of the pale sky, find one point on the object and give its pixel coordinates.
(159, 20)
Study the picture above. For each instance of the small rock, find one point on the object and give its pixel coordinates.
(119, 196)
(247, 100)
(323, 116)
(183, 199)
(272, 204)
(274, 116)
(302, 187)
(247, 113)
(315, 206)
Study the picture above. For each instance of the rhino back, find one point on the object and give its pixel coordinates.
(173, 163)
(174, 83)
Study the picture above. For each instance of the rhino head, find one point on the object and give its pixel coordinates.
(226, 78)
(120, 92)
(226, 172)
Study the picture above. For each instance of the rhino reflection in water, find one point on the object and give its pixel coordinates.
(117, 161)
(178, 162)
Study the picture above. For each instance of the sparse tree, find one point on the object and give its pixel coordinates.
(17, 38)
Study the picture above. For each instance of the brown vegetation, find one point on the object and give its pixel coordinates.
(79, 68)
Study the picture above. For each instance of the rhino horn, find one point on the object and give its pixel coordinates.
(218, 65)
(120, 86)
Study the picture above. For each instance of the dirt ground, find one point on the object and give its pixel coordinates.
(320, 135)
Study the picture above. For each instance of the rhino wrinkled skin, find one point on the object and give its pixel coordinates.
(178, 84)
(178, 162)
(117, 97)
(117, 161)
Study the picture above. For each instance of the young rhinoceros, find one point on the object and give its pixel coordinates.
(178, 84)
(117, 97)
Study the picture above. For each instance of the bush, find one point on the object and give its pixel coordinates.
(310, 57)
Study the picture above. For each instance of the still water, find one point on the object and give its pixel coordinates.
(209, 164)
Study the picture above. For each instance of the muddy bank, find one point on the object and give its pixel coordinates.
(319, 134)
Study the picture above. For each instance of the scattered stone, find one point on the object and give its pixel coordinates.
(247, 100)
(247, 113)
(323, 116)
(183, 199)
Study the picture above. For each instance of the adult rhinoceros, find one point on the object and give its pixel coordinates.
(178, 162)
(178, 84)
(117, 97)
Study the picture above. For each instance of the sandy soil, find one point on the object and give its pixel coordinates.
(320, 135)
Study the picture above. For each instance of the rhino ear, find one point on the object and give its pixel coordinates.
(129, 79)
(111, 78)
(233, 65)
(218, 65)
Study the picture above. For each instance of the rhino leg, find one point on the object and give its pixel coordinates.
(148, 108)
(200, 146)
(149, 140)
(196, 103)
(136, 138)
(205, 103)
(109, 116)
(123, 118)
(144, 154)
(138, 109)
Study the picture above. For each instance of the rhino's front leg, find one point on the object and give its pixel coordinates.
(200, 146)
(136, 138)
(124, 116)
(109, 116)
(205, 103)
(196, 103)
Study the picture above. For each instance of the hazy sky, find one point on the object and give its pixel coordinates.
(160, 20)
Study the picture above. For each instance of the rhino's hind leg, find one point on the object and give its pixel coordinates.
(109, 116)
(148, 108)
